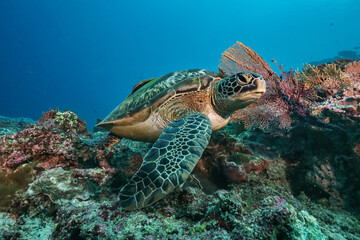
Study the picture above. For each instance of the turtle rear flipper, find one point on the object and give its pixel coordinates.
(169, 162)
(102, 143)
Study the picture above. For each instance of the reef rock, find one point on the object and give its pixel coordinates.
(13, 125)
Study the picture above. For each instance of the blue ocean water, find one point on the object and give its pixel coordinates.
(87, 55)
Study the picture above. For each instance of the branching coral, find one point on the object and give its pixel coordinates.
(311, 75)
(328, 78)
(344, 100)
(291, 89)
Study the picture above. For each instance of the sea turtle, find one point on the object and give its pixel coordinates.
(177, 111)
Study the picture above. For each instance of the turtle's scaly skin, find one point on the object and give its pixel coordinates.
(178, 112)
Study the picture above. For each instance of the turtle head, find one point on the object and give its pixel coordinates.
(237, 91)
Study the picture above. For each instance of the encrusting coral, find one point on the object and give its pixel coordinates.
(50, 142)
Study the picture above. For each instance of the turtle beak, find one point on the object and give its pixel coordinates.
(260, 86)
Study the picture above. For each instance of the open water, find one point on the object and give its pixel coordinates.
(86, 55)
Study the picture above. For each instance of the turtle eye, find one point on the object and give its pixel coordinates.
(241, 79)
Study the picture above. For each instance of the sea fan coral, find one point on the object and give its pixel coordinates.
(240, 58)
(267, 114)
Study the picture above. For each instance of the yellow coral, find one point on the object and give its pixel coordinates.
(328, 77)
(310, 75)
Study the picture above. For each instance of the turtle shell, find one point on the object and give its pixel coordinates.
(157, 88)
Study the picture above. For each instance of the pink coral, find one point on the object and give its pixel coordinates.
(52, 141)
(15, 159)
(353, 67)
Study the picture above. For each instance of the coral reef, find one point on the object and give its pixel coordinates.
(287, 167)
(239, 191)
(292, 95)
(311, 118)
(50, 142)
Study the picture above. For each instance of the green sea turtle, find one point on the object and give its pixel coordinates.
(177, 111)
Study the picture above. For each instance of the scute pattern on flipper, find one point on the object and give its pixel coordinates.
(169, 162)
(156, 89)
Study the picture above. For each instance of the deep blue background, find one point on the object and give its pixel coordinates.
(86, 55)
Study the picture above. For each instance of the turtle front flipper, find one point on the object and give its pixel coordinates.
(169, 162)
